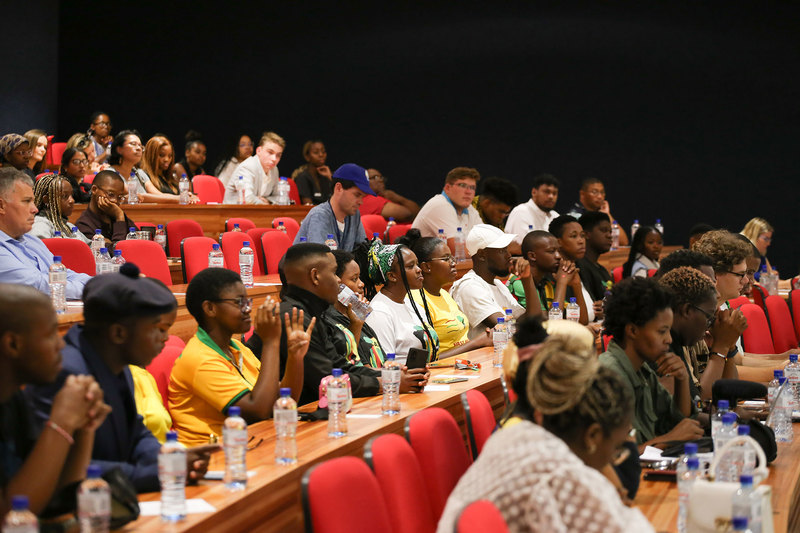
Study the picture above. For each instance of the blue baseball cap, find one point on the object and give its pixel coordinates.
(356, 174)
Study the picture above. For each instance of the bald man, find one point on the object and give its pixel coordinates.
(104, 212)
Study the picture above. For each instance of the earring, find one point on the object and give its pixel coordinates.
(592, 448)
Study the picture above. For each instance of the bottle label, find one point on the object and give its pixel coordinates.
(337, 394)
(285, 416)
(234, 437)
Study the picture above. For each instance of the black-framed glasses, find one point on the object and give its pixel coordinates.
(245, 303)
(740, 275)
(24, 152)
(80, 161)
(102, 123)
(710, 317)
(445, 258)
(110, 195)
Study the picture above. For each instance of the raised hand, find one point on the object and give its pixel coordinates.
(520, 267)
(324, 171)
(268, 322)
(297, 338)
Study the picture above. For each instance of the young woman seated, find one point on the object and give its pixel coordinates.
(74, 165)
(572, 245)
(52, 195)
(194, 157)
(314, 182)
(544, 474)
(644, 253)
(37, 140)
(84, 143)
(243, 150)
(156, 163)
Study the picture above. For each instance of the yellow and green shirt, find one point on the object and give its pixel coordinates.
(449, 322)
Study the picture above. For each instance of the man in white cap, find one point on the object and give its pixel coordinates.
(479, 293)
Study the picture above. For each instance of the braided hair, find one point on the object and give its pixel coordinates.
(47, 196)
(423, 248)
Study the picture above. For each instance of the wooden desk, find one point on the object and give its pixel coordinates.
(211, 217)
(612, 260)
(658, 500)
(272, 500)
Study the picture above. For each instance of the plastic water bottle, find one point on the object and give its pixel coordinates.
(184, 187)
(234, 441)
(376, 236)
(499, 340)
(133, 189)
(19, 519)
(746, 504)
(98, 241)
(241, 191)
(511, 322)
(781, 418)
(161, 237)
(348, 298)
(739, 524)
(634, 227)
(330, 242)
(792, 373)
(103, 261)
(659, 226)
(215, 257)
(685, 482)
(555, 312)
(282, 227)
(58, 285)
(773, 387)
(246, 257)
(441, 235)
(573, 310)
(460, 245)
(390, 380)
(131, 236)
(716, 420)
(615, 235)
(337, 405)
(744, 455)
(285, 415)
(689, 451)
(388, 227)
(172, 477)
(94, 502)
(283, 192)
(236, 228)
(117, 261)
(75, 232)
(725, 434)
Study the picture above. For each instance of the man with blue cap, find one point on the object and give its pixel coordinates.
(339, 216)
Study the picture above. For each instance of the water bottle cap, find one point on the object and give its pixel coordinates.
(739, 522)
(94, 471)
(330, 235)
(215, 246)
(390, 357)
(283, 178)
(615, 222)
(728, 418)
(183, 175)
(97, 232)
(573, 300)
(241, 177)
(280, 223)
(457, 229)
(286, 391)
(336, 372)
(793, 357)
(172, 436)
(236, 225)
(744, 430)
(19, 503)
(161, 226)
(555, 305)
(723, 404)
(131, 229)
(777, 373)
(391, 219)
(56, 259)
(117, 253)
(57, 233)
(746, 480)
(509, 311)
(763, 268)
(501, 320)
(303, 239)
(375, 235)
(635, 220)
(658, 221)
(441, 231)
(690, 448)
(234, 410)
(246, 243)
(693, 463)
(103, 250)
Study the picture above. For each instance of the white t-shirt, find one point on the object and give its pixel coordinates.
(397, 326)
(528, 214)
(438, 213)
(480, 300)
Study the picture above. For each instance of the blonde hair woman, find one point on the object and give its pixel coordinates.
(759, 231)
(37, 140)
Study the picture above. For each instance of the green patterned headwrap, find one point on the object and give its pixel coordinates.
(381, 257)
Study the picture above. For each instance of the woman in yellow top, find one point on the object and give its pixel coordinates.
(439, 269)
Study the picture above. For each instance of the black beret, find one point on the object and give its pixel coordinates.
(112, 297)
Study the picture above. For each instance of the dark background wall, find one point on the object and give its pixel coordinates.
(687, 111)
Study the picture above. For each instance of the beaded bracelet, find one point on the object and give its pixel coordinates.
(58, 429)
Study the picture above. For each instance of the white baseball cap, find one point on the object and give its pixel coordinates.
(485, 236)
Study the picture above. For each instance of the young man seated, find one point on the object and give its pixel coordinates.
(215, 371)
(479, 294)
(595, 277)
(39, 460)
(104, 212)
(123, 316)
(452, 209)
(592, 197)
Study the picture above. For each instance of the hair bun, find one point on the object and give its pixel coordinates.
(130, 270)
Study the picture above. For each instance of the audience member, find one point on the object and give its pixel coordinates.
(385, 202)
(479, 293)
(15, 152)
(495, 201)
(538, 212)
(543, 474)
(52, 195)
(572, 246)
(24, 259)
(314, 182)
(638, 313)
(594, 276)
(687, 258)
(100, 132)
(339, 216)
(194, 157)
(753, 262)
(40, 459)
(644, 253)
(759, 232)
(215, 371)
(226, 167)
(122, 326)
(126, 154)
(452, 208)
(37, 140)
(697, 231)
(84, 143)
(259, 173)
(593, 198)
(162, 186)
(104, 212)
(74, 166)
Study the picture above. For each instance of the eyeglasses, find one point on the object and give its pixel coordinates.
(23, 153)
(245, 145)
(134, 145)
(102, 123)
(80, 162)
(110, 195)
(710, 317)
(467, 186)
(740, 275)
(376, 177)
(245, 303)
(83, 142)
(446, 259)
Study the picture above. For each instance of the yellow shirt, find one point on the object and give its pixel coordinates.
(449, 322)
(149, 403)
(204, 383)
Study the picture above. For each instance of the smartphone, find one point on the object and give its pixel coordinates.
(449, 380)
(417, 358)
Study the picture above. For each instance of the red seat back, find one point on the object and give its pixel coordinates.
(794, 305)
(756, 338)
(161, 367)
(294, 193)
(231, 243)
(274, 245)
(245, 224)
(55, 152)
(439, 446)
(291, 225)
(149, 256)
(209, 189)
(255, 242)
(75, 254)
(739, 301)
(616, 273)
(179, 229)
(759, 296)
(174, 340)
(780, 324)
(398, 472)
(481, 516)
(328, 491)
(397, 231)
(194, 256)
(89, 178)
(373, 224)
(480, 419)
